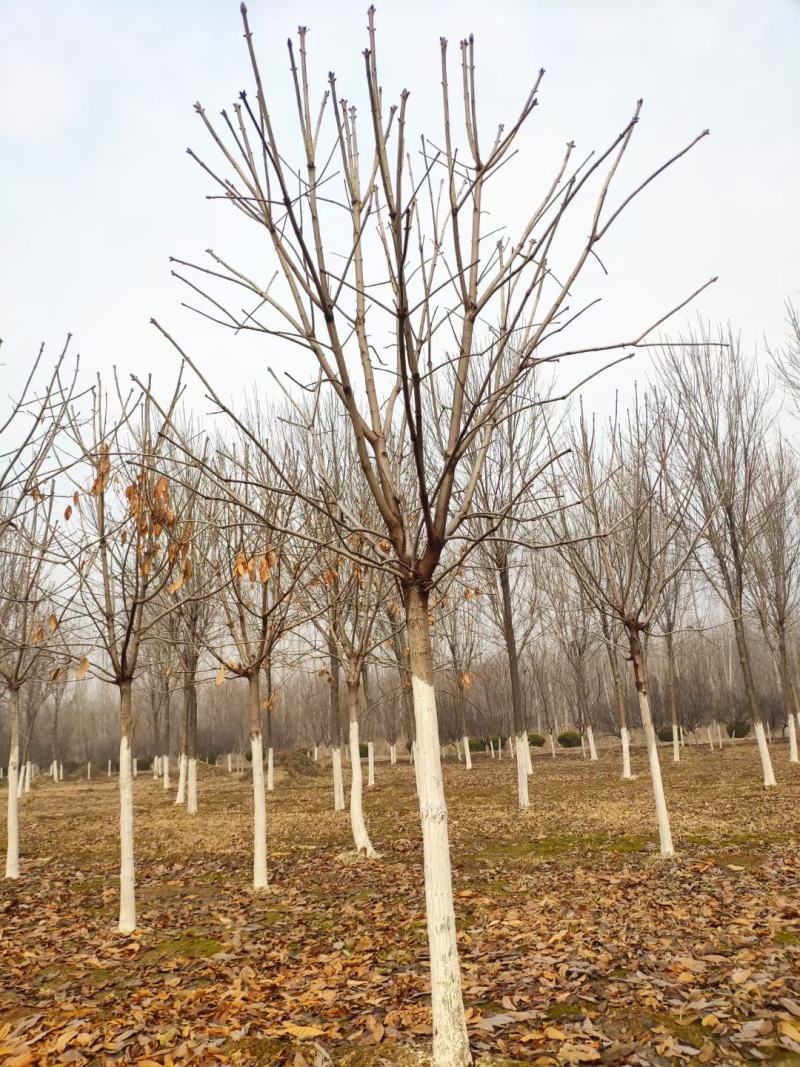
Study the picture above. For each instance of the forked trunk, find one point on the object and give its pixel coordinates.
(12, 846)
(357, 824)
(450, 1042)
(127, 890)
(640, 676)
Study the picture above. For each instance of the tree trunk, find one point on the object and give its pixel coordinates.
(517, 709)
(357, 824)
(181, 796)
(755, 714)
(619, 695)
(335, 719)
(259, 794)
(127, 890)
(190, 694)
(640, 677)
(12, 846)
(450, 1042)
(788, 692)
(270, 754)
(592, 746)
(167, 739)
(673, 707)
(370, 764)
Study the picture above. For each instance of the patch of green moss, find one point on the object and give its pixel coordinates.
(190, 947)
(786, 937)
(565, 1011)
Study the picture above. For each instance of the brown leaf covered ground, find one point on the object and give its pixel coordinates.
(578, 943)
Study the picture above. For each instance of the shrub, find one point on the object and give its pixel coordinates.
(569, 739)
(664, 733)
(738, 729)
(536, 740)
(362, 749)
(476, 745)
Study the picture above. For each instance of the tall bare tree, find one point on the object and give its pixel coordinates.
(392, 312)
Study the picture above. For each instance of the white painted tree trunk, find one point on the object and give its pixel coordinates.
(127, 891)
(458, 750)
(592, 748)
(181, 795)
(135, 767)
(412, 753)
(89, 769)
(676, 744)
(583, 748)
(710, 739)
(370, 765)
(680, 734)
(191, 785)
(450, 1041)
(230, 763)
(769, 732)
(719, 735)
(259, 814)
(357, 824)
(763, 751)
(165, 770)
(792, 739)
(61, 772)
(491, 747)
(270, 770)
(12, 845)
(522, 771)
(393, 754)
(467, 755)
(511, 749)
(108, 770)
(338, 781)
(626, 754)
(552, 745)
(316, 753)
(499, 748)
(528, 760)
(662, 816)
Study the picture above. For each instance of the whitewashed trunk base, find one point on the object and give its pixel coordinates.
(127, 890)
(766, 760)
(259, 814)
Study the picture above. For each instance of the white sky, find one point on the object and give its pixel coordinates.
(97, 192)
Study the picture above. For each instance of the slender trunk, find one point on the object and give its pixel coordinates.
(789, 702)
(165, 757)
(523, 758)
(450, 1042)
(127, 891)
(181, 794)
(230, 763)
(370, 764)
(592, 746)
(755, 714)
(622, 714)
(190, 694)
(640, 676)
(335, 719)
(259, 794)
(393, 753)
(12, 846)
(270, 755)
(517, 710)
(673, 706)
(710, 739)
(626, 754)
(357, 824)
(467, 754)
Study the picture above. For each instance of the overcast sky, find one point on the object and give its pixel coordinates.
(97, 191)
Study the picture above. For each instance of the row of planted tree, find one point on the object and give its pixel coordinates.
(418, 491)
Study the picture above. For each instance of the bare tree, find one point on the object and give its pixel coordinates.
(725, 407)
(392, 320)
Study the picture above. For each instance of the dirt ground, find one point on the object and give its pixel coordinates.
(578, 943)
